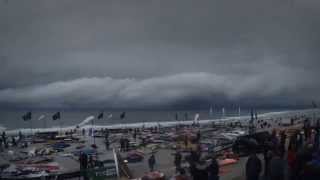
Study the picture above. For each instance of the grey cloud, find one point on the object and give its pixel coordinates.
(158, 91)
(53, 51)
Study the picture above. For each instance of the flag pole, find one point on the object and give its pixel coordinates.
(94, 139)
(31, 126)
(60, 125)
(45, 123)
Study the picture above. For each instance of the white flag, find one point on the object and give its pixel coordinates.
(196, 118)
(109, 116)
(86, 121)
(41, 117)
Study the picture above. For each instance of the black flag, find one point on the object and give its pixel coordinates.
(56, 116)
(122, 115)
(100, 116)
(27, 116)
(314, 105)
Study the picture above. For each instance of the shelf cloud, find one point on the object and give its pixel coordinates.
(115, 54)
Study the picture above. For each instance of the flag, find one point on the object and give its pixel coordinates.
(41, 117)
(256, 115)
(86, 121)
(56, 116)
(196, 117)
(109, 116)
(122, 115)
(100, 116)
(27, 116)
(176, 117)
(314, 105)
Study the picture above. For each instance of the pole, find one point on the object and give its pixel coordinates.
(60, 126)
(31, 126)
(45, 123)
(94, 139)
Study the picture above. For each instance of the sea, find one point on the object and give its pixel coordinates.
(12, 119)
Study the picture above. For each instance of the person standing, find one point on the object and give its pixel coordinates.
(317, 139)
(107, 144)
(121, 144)
(283, 138)
(20, 136)
(276, 167)
(4, 139)
(1, 148)
(292, 161)
(267, 154)
(151, 162)
(213, 169)
(83, 165)
(177, 160)
(253, 167)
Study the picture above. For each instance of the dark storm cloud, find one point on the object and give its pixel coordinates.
(156, 53)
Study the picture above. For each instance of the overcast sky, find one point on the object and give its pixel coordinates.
(159, 53)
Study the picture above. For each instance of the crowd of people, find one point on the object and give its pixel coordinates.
(293, 158)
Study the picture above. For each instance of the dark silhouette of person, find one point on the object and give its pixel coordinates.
(83, 165)
(253, 167)
(177, 160)
(213, 169)
(151, 162)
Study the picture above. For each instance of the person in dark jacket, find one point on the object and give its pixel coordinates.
(107, 143)
(276, 167)
(282, 148)
(213, 170)
(200, 171)
(267, 155)
(253, 167)
(83, 164)
(152, 162)
(177, 160)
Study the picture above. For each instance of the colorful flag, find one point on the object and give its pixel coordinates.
(56, 116)
(27, 116)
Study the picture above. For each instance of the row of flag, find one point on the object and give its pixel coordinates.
(101, 115)
(28, 116)
(57, 115)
